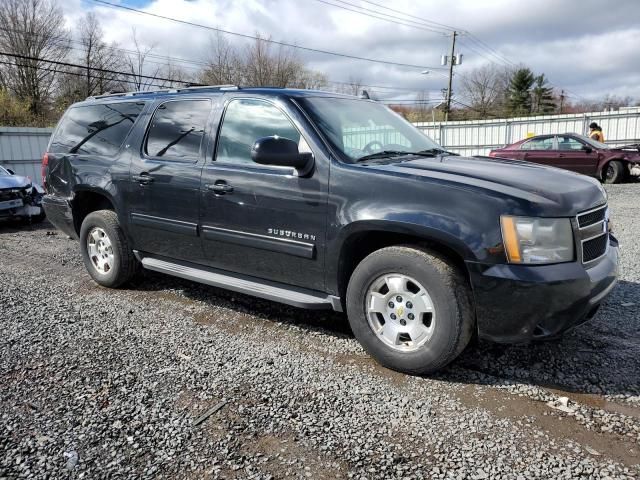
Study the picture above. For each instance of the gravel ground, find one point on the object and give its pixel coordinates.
(171, 379)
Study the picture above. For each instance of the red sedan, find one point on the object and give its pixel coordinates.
(577, 153)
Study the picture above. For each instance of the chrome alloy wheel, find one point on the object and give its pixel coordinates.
(100, 250)
(400, 312)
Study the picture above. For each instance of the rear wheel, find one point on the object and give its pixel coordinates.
(410, 309)
(614, 172)
(105, 250)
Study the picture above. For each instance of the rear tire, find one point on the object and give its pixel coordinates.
(105, 249)
(614, 172)
(410, 308)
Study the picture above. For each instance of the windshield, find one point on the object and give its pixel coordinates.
(360, 128)
(593, 142)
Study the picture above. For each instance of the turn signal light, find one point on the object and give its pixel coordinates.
(43, 171)
(510, 238)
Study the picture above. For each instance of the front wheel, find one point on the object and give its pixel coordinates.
(410, 308)
(105, 250)
(614, 172)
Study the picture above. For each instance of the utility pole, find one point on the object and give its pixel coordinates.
(452, 58)
(561, 100)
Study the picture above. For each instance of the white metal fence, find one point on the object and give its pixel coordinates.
(478, 137)
(21, 149)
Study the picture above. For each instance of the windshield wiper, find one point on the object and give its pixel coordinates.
(434, 151)
(384, 154)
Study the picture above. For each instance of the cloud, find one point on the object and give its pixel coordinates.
(584, 46)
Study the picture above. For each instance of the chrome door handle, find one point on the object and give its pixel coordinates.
(143, 178)
(220, 187)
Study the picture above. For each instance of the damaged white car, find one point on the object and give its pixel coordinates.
(20, 198)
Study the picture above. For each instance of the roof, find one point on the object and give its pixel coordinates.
(197, 90)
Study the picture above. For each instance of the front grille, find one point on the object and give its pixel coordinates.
(11, 194)
(594, 248)
(593, 231)
(592, 217)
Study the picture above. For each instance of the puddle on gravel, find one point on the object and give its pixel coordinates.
(559, 427)
(595, 401)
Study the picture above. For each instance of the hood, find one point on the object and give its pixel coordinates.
(549, 191)
(13, 181)
(635, 148)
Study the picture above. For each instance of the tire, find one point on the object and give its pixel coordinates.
(109, 261)
(614, 172)
(450, 323)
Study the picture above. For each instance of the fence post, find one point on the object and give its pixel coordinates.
(585, 125)
(507, 132)
(440, 140)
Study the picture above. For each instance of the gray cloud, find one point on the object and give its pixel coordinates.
(586, 46)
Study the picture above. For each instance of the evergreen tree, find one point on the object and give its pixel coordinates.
(519, 92)
(542, 96)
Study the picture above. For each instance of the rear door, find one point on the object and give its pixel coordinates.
(576, 156)
(539, 150)
(165, 179)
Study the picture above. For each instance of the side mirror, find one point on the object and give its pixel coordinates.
(11, 172)
(587, 149)
(281, 152)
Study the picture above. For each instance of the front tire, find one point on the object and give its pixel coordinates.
(410, 308)
(105, 249)
(614, 172)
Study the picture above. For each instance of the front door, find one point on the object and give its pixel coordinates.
(165, 180)
(577, 156)
(259, 220)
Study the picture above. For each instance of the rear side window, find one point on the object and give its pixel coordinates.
(538, 144)
(177, 129)
(95, 129)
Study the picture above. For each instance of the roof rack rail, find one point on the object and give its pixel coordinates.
(165, 90)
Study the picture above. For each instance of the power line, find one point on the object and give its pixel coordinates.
(275, 42)
(103, 70)
(198, 65)
(385, 17)
(77, 74)
(447, 27)
(471, 37)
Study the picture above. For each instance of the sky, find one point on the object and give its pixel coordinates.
(587, 48)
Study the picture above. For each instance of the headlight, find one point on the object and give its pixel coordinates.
(537, 240)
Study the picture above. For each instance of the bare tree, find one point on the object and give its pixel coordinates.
(265, 67)
(99, 61)
(311, 79)
(260, 64)
(97, 57)
(352, 87)
(224, 63)
(480, 87)
(34, 31)
(140, 77)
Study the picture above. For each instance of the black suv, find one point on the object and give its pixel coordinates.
(321, 200)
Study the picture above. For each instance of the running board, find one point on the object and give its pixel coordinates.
(277, 292)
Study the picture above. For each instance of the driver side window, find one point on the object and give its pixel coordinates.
(245, 121)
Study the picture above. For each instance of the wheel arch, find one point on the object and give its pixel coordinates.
(86, 200)
(366, 237)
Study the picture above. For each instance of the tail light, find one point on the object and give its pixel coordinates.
(45, 163)
(493, 154)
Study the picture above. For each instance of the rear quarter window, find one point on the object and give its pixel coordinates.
(95, 129)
